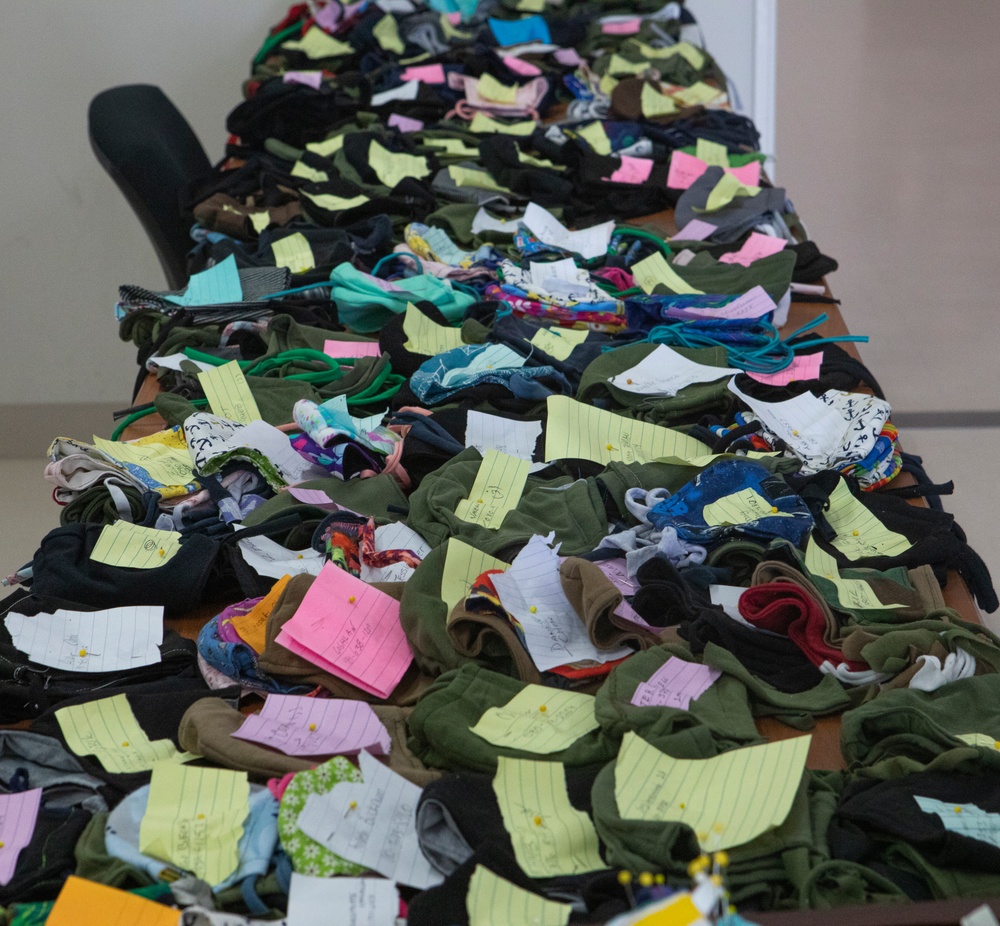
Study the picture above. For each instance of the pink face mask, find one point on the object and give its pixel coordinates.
(524, 100)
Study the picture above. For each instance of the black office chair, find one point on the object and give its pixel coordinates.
(141, 139)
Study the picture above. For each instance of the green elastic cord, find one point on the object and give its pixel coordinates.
(263, 367)
(272, 40)
(135, 416)
(648, 236)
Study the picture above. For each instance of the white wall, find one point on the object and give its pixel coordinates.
(67, 237)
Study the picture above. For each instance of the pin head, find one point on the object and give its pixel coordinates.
(543, 708)
(352, 599)
(312, 726)
(83, 652)
(538, 821)
(646, 879)
(125, 744)
(533, 609)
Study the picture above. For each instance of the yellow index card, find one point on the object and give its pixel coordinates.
(260, 221)
(293, 252)
(491, 89)
(454, 146)
(712, 153)
(489, 894)
(727, 800)
(859, 532)
(694, 56)
(393, 166)
(677, 910)
(463, 564)
(593, 133)
(170, 466)
(228, 394)
(169, 437)
(335, 203)
(301, 169)
(135, 546)
(469, 176)
(386, 33)
(851, 593)
(326, 147)
(578, 431)
(483, 123)
(194, 819)
(539, 720)
(497, 490)
(620, 65)
(424, 336)
(550, 836)
(537, 162)
(741, 508)
(724, 192)
(317, 44)
(653, 103)
(979, 739)
(654, 270)
(608, 84)
(699, 94)
(530, 6)
(558, 342)
(252, 626)
(87, 903)
(107, 729)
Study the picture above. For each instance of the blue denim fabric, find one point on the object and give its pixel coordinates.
(239, 661)
(683, 510)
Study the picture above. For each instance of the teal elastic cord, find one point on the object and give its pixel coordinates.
(299, 289)
(393, 256)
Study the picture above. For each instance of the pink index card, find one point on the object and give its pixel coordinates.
(454, 18)
(754, 248)
(748, 174)
(568, 57)
(18, 813)
(622, 26)
(696, 230)
(301, 726)
(427, 73)
(405, 123)
(328, 16)
(675, 684)
(632, 170)
(617, 573)
(521, 67)
(350, 629)
(310, 496)
(684, 170)
(309, 78)
(352, 349)
(803, 366)
(752, 304)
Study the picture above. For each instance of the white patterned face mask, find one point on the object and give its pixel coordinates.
(487, 95)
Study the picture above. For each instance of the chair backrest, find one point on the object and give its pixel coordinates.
(141, 139)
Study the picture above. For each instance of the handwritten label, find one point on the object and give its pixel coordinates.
(851, 593)
(587, 242)
(754, 248)
(653, 103)
(696, 230)
(293, 252)
(489, 892)
(698, 94)
(538, 719)
(18, 814)
(632, 170)
(496, 491)
(391, 167)
(558, 342)
(317, 44)
(654, 271)
(312, 79)
(424, 336)
(859, 533)
(163, 464)
(505, 435)
(358, 901)
(405, 123)
(740, 508)
(968, 820)
(482, 123)
(428, 74)
(802, 367)
(228, 393)
(134, 546)
(87, 903)
(593, 134)
(675, 684)
(217, 285)
(712, 153)
(664, 371)
(463, 564)
(353, 349)
(304, 171)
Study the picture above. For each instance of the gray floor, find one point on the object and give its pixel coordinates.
(891, 158)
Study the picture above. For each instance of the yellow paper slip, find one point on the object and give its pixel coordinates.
(252, 626)
(259, 221)
(170, 437)
(620, 65)
(851, 593)
(194, 819)
(859, 532)
(496, 491)
(134, 546)
(578, 431)
(699, 94)
(558, 342)
(539, 720)
(335, 203)
(303, 170)
(979, 739)
(228, 393)
(424, 336)
(170, 466)
(654, 103)
(550, 836)
(326, 147)
(593, 133)
(727, 800)
(491, 89)
(724, 192)
(740, 508)
(462, 565)
(654, 270)
(480, 179)
(391, 166)
(293, 252)
(712, 153)
(489, 894)
(686, 50)
(317, 44)
(679, 910)
(386, 33)
(87, 903)
(483, 123)
(107, 729)
(453, 146)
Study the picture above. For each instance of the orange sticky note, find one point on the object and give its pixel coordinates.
(86, 903)
(252, 626)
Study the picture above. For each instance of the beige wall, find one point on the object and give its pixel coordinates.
(67, 238)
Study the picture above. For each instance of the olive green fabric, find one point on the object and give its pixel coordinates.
(718, 720)
(440, 734)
